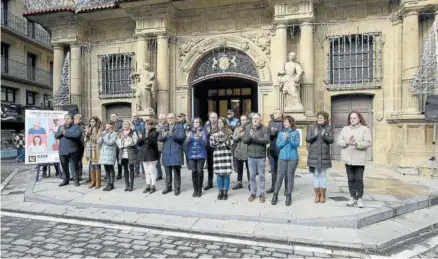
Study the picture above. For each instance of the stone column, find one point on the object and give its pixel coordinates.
(279, 55)
(141, 51)
(306, 60)
(162, 74)
(411, 60)
(397, 56)
(75, 76)
(58, 59)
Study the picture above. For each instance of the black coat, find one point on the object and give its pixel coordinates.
(278, 124)
(150, 147)
(319, 146)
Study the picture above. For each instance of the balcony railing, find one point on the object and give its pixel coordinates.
(43, 5)
(23, 71)
(24, 28)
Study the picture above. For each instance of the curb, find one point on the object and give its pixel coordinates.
(9, 178)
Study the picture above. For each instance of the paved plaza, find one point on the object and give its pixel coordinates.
(392, 200)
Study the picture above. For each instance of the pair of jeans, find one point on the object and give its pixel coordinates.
(66, 160)
(223, 182)
(94, 167)
(239, 169)
(158, 166)
(355, 180)
(286, 167)
(257, 166)
(128, 172)
(150, 171)
(177, 179)
(20, 153)
(110, 173)
(319, 178)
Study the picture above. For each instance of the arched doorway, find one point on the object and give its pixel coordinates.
(224, 79)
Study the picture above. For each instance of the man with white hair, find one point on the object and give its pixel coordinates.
(256, 137)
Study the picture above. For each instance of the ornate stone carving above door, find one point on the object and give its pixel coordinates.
(193, 53)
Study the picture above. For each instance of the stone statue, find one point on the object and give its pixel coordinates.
(144, 86)
(289, 80)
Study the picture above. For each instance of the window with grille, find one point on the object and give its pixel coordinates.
(115, 75)
(354, 60)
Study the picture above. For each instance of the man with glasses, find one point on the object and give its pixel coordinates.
(173, 137)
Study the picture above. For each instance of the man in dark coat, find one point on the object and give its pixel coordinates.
(275, 126)
(173, 137)
(210, 127)
(77, 119)
(181, 118)
(69, 136)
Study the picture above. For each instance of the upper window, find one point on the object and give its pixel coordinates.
(353, 59)
(5, 57)
(4, 10)
(9, 94)
(115, 75)
(30, 98)
(31, 66)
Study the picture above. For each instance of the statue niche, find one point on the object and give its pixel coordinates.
(144, 88)
(289, 81)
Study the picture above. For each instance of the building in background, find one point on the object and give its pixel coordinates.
(26, 69)
(219, 55)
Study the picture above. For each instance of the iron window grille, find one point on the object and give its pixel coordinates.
(115, 75)
(354, 61)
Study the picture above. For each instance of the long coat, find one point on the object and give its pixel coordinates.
(129, 143)
(150, 146)
(108, 148)
(173, 140)
(222, 157)
(92, 149)
(319, 139)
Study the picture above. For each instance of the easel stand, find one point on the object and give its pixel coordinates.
(40, 167)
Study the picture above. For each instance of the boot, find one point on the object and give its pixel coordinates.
(220, 195)
(126, 176)
(119, 172)
(93, 179)
(274, 178)
(208, 186)
(200, 182)
(152, 189)
(77, 180)
(322, 195)
(195, 184)
(112, 176)
(288, 200)
(274, 198)
(225, 196)
(111, 187)
(98, 179)
(131, 181)
(317, 194)
(237, 186)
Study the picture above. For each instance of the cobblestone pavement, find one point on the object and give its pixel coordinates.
(37, 238)
(8, 166)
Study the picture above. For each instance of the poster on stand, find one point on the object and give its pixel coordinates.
(40, 128)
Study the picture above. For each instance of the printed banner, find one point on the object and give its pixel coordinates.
(41, 145)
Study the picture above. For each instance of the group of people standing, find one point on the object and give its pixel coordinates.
(227, 145)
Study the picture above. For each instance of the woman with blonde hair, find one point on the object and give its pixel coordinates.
(355, 139)
(222, 141)
(92, 150)
(127, 143)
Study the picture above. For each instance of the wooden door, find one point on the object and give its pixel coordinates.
(341, 107)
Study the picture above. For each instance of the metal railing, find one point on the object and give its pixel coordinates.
(25, 28)
(39, 5)
(23, 71)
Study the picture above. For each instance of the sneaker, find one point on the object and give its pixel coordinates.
(251, 197)
(360, 203)
(351, 202)
(262, 199)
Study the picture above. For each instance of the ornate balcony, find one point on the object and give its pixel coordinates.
(18, 71)
(24, 29)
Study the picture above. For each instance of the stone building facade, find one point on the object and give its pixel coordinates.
(219, 55)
